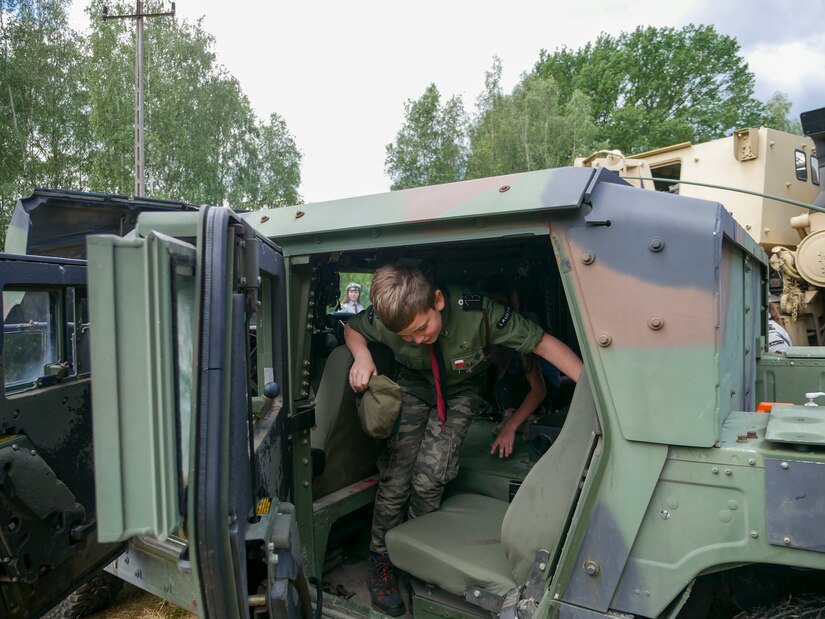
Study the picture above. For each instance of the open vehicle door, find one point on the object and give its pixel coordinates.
(48, 536)
(180, 479)
(191, 449)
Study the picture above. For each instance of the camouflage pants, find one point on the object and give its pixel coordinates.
(418, 461)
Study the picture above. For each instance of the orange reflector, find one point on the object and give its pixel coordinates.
(765, 407)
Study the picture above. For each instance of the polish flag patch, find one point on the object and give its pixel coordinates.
(458, 363)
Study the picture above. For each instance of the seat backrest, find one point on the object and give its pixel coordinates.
(543, 504)
(349, 453)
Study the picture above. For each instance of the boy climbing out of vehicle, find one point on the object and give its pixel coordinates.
(442, 339)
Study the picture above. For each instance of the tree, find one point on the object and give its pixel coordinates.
(279, 166)
(529, 129)
(67, 112)
(485, 132)
(431, 147)
(109, 76)
(658, 86)
(44, 125)
(203, 140)
(493, 92)
(778, 114)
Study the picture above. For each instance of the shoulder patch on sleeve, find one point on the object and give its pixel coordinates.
(371, 314)
(470, 302)
(505, 318)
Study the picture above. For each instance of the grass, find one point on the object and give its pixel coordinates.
(134, 603)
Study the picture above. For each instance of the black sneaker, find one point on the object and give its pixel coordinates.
(383, 589)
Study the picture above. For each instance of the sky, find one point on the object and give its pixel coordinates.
(340, 72)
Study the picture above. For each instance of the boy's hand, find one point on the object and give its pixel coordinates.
(504, 442)
(363, 368)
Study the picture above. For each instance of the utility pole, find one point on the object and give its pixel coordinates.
(140, 183)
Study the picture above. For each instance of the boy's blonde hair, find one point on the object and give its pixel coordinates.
(399, 294)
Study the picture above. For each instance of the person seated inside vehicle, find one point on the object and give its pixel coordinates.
(778, 338)
(352, 302)
(521, 382)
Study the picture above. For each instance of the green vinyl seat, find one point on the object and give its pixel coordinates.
(456, 546)
(337, 432)
(480, 541)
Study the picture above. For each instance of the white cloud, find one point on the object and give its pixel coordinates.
(795, 68)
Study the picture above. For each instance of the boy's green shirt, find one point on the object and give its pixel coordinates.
(463, 337)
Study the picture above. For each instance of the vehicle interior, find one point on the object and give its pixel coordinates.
(498, 512)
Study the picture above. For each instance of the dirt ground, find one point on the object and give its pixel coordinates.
(134, 603)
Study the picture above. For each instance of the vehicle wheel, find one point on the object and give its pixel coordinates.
(801, 607)
(88, 598)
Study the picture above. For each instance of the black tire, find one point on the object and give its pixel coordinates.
(799, 607)
(88, 598)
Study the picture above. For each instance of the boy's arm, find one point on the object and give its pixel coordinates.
(507, 435)
(363, 368)
(559, 354)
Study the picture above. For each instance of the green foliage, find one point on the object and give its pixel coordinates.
(778, 114)
(43, 101)
(278, 170)
(658, 86)
(203, 142)
(530, 129)
(67, 112)
(110, 78)
(431, 147)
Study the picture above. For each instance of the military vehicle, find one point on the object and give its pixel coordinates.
(185, 417)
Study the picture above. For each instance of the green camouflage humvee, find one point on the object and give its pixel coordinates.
(182, 413)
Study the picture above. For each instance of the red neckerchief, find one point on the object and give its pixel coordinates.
(442, 408)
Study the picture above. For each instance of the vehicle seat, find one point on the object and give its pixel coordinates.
(480, 541)
(350, 454)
